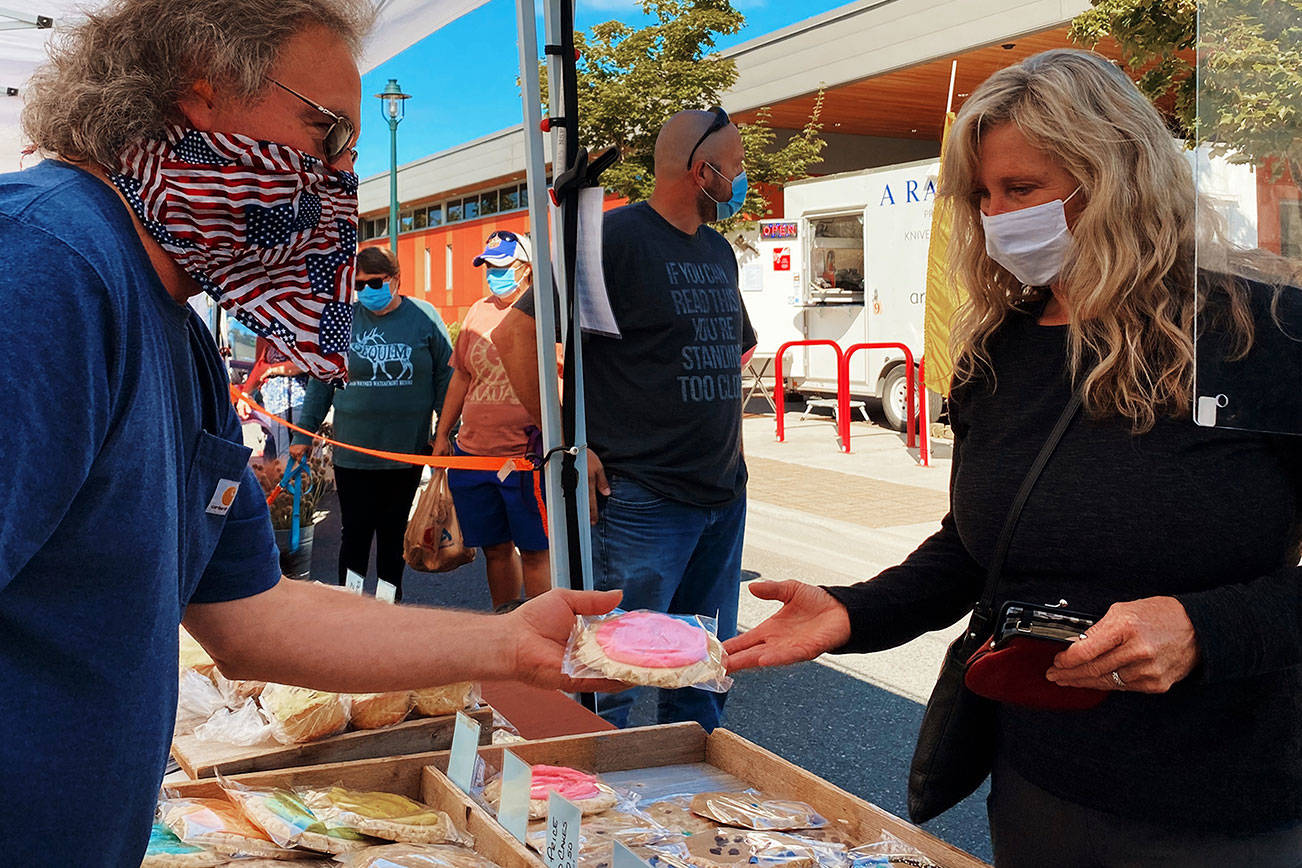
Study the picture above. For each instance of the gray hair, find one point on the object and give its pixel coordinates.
(118, 76)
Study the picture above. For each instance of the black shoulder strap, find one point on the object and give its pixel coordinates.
(1015, 512)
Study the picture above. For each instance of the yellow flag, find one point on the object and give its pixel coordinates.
(942, 295)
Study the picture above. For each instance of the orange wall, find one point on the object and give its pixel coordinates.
(1269, 195)
(467, 240)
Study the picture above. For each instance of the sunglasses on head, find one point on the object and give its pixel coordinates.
(338, 137)
(373, 283)
(720, 121)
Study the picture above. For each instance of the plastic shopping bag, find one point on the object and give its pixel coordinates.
(433, 542)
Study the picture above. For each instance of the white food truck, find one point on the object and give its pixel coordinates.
(848, 264)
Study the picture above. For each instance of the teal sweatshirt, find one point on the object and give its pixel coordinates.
(398, 374)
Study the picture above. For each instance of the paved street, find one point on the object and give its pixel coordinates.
(821, 516)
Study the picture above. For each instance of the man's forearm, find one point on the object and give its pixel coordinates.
(517, 345)
(316, 636)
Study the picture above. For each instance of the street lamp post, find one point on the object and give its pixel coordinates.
(392, 108)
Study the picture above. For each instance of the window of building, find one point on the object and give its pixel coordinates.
(488, 203)
(380, 227)
(512, 199)
(470, 208)
(454, 211)
(420, 219)
(435, 213)
(406, 221)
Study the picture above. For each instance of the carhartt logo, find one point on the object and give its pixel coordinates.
(223, 496)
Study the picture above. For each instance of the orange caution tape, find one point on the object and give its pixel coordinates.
(453, 462)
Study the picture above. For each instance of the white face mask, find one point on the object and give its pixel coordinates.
(1031, 243)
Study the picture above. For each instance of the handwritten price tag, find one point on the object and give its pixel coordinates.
(386, 592)
(517, 784)
(562, 832)
(465, 750)
(354, 582)
(626, 858)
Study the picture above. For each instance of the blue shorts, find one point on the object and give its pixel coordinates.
(492, 512)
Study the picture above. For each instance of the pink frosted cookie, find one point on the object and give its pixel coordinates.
(581, 788)
(650, 648)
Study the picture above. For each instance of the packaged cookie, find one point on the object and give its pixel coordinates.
(288, 820)
(415, 856)
(217, 825)
(445, 699)
(752, 811)
(377, 710)
(631, 828)
(587, 793)
(298, 714)
(384, 815)
(165, 850)
(649, 649)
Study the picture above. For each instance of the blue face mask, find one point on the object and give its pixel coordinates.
(501, 281)
(724, 210)
(376, 299)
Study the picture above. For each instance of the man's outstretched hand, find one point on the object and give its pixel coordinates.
(538, 631)
(809, 623)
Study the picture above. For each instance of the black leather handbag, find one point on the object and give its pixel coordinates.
(956, 744)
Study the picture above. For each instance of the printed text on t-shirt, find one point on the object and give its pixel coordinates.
(711, 364)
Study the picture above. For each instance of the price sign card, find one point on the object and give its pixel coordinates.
(517, 784)
(385, 592)
(562, 832)
(465, 750)
(354, 582)
(626, 858)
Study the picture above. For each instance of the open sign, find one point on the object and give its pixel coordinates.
(770, 231)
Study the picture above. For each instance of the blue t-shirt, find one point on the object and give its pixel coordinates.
(117, 446)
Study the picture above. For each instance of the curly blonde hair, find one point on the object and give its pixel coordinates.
(117, 76)
(1129, 278)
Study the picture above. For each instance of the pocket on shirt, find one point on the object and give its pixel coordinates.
(215, 475)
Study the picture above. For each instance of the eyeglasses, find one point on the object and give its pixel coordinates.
(373, 283)
(339, 137)
(720, 121)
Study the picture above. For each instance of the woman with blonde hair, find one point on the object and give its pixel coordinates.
(1074, 234)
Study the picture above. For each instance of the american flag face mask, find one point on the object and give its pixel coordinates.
(268, 231)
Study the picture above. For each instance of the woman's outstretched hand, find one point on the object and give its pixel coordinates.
(810, 622)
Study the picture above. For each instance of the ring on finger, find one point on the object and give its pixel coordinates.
(1117, 681)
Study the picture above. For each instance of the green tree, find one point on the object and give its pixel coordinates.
(630, 80)
(1251, 69)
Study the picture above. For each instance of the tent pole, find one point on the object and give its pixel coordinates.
(544, 303)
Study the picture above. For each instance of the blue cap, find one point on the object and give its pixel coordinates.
(503, 248)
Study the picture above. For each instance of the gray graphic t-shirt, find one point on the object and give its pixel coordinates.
(664, 400)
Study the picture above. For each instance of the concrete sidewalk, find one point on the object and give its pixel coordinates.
(820, 515)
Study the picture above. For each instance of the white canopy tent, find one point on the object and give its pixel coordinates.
(399, 25)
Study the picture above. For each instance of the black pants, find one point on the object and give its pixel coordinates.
(1031, 828)
(374, 504)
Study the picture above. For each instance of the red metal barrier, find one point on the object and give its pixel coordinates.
(779, 386)
(924, 416)
(843, 392)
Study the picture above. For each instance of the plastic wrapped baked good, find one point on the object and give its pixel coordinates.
(196, 701)
(237, 691)
(298, 714)
(165, 850)
(630, 827)
(244, 726)
(753, 811)
(289, 822)
(376, 710)
(587, 793)
(889, 850)
(218, 826)
(415, 856)
(648, 648)
(384, 815)
(445, 699)
(193, 656)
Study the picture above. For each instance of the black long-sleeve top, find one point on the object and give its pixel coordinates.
(1212, 517)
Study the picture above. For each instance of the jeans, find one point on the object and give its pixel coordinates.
(669, 557)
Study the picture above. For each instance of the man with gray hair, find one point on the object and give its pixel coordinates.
(667, 481)
(198, 146)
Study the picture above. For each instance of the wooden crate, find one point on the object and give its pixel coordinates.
(201, 759)
(422, 777)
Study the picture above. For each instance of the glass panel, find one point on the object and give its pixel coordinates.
(511, 199)
(488, 204)
(470, 207)
(406, 221)
(380, 225)
(454, 211)
(420, 219)
(435, 215)
(836, 259)
(1249, 179)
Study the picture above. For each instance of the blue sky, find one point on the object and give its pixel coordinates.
(462, 78)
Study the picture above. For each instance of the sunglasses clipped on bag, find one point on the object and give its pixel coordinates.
(1010, 667)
